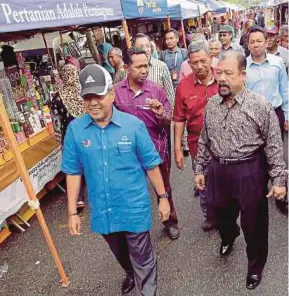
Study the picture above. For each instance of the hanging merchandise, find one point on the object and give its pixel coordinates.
(8, 97)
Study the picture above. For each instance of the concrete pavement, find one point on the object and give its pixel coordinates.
(189, 266)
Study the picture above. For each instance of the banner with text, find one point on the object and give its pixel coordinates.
(14, 196)
(38, 14)
(150, 9)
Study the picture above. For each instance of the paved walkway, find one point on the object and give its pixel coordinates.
(189, 266)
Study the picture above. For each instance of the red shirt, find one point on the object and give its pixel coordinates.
(190, 105)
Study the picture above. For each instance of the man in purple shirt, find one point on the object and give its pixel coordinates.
(144, 99)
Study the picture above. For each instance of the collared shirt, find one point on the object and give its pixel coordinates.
(191, 101)
(234, 47)
(113, 160)
(238, 132)
(174, 60)
(270, 80)
(283, 53)
(138, 105)
(160, 74)
(120, 75)
(186, 68)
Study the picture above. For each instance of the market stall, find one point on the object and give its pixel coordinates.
(182, 11)
(139, 15)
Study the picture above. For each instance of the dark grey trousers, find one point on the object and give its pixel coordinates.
(134, 253)
(241, 188)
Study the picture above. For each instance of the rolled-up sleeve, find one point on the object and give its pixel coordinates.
(146, 151)
(71, 164)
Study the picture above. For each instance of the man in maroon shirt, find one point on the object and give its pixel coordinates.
(146, 100)
(192, 95)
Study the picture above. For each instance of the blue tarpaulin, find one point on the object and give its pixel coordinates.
(214, 6)
(145, 9)
(26, 15)
(183, 9)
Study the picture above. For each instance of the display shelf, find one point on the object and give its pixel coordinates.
(38, 137)
(25, 145)
(22, 147)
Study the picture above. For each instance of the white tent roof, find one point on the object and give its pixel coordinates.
(36, 42)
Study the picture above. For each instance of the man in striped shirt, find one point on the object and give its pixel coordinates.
(158, 70)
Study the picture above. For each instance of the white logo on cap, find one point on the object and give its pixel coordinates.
(89, 79)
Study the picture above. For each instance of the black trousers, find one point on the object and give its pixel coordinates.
(241, 188)
(134, 253)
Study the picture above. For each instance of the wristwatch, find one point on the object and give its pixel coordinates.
(165, 195)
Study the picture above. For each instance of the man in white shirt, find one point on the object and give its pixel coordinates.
(284, 36)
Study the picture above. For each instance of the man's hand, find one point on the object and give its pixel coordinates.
(74, 225)
(164, 209)
(180, 160)
(200, 182)
(157, 107)
(277, 192)
(286, 125)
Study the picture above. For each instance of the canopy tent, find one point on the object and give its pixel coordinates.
(272, 3)
(202, 7)
(241, 8)
(36, 42)
(39, 14)
(182, 9)
(214, 6)
(230, 6)
(140, 9)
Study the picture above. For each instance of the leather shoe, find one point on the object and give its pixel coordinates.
(207, 225)
(127, 285)
(174, 231)
(226, 249)
(253, 281)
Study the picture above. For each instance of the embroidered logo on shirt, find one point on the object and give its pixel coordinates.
(89, 79)
(124, 141)
(86, 143)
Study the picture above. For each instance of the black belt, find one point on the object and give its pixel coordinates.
(228, 161)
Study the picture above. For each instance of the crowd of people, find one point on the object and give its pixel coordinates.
(227, 104)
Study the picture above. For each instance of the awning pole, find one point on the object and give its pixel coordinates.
(168, 21)
(184, 34)
(46, 46)
(126, 33)
(4, 122)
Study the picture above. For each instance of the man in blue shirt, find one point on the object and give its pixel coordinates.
(266, 75)
(114, 152)
(173, 56)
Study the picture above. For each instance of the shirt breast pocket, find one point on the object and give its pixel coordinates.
(124, 148)
(124, 157)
